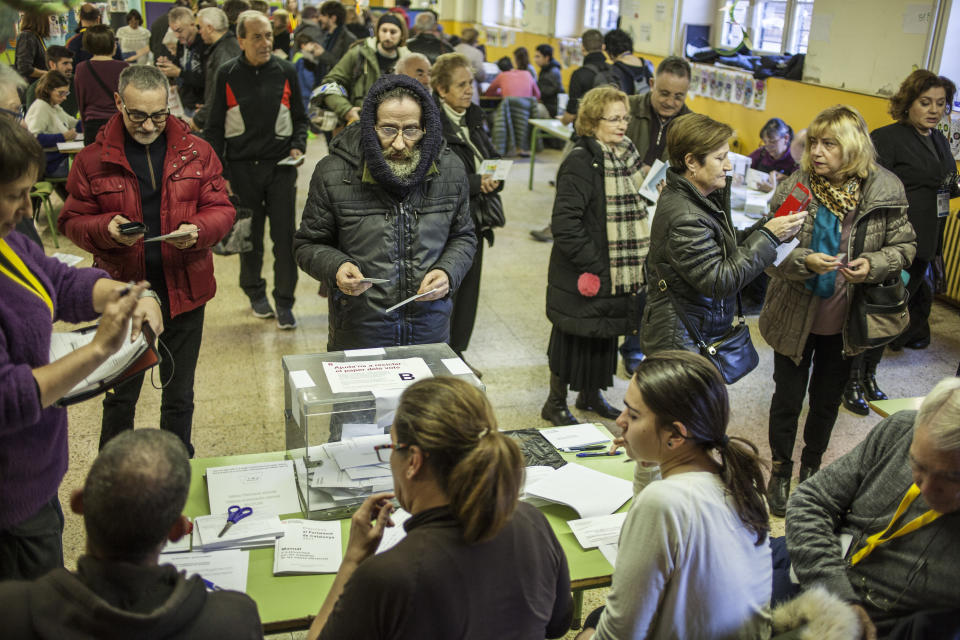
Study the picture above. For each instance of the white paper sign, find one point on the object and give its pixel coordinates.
(367, 375)
(269, 488)
(592, 532)
(309, 546)
(497, 169)
(225, 569)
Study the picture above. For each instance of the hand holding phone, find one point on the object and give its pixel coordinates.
(132, 228)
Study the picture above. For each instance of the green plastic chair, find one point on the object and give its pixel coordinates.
(43, 190)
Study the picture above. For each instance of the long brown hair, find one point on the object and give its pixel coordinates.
(479, 468)
(685, 387)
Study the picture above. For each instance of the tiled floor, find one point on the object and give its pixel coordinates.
(239, 385)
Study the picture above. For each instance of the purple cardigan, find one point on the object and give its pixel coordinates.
(33, 441)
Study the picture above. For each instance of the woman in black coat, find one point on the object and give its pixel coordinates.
(601, 234)
(464, 132)
(917, 153)
(30, 58)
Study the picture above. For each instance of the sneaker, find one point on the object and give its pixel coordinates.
(285, 319)
(261, 308)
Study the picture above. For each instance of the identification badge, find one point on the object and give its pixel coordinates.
(943, 203)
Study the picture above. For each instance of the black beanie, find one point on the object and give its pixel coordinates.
(370, 143)
(392, 19)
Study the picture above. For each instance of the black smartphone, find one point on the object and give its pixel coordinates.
(132, 228)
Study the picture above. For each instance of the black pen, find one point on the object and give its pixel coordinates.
(588, 447)
(595, 454)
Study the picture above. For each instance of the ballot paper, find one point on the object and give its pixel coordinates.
(369, 471)
(290, 161)
(657, 173)
(497, 169)
(269, 488)
(755, 178)
(358, 452)
(225, 569)
(254, 530)
(364, 353)
(592, 532)
(375, 375)
(308, 546)
(169, 236)
(569, 438)
(757, 204)
(396, 533)
(784, 249)
(351, 431)
(71, 145)
(375, 280)
(415, 296)
(456, 366)
(586, 491)
(68, 258)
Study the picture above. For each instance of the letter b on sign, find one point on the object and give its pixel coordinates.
(406, 376)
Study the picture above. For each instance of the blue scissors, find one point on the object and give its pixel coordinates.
(234, 515)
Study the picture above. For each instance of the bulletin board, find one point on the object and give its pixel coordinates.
(868, 46)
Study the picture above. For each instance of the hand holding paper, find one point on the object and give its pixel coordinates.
(435, 284)
(350, 280)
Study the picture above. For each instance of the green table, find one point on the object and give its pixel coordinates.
(889, 407)
(544, 126)
(289, 603)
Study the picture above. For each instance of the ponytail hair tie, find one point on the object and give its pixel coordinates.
(724, 441)
(483, 433)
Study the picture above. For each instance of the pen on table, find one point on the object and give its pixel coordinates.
(210, 585)
(594, 454)
(589, 447)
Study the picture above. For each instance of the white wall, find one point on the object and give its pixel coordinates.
(650, 23)
(867, 45)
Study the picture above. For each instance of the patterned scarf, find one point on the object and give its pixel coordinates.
(628, 226)
(838, 200)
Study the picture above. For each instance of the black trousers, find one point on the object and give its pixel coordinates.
(271, 193)
(179, 346)
(830, 373)
(920, 304)
(465, 300)
(33, 547)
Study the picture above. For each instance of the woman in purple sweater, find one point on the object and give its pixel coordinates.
(36, 291)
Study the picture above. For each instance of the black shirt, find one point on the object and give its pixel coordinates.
(658, 138)
(434, 585)
(147, 163)
(386, 64)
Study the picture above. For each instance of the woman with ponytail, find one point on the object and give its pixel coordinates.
(694, 559)
(475, 562)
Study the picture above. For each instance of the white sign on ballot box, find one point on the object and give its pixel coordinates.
(368, 375)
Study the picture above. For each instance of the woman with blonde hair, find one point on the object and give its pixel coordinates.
(475, 563)
(856, 232)
(601, 234)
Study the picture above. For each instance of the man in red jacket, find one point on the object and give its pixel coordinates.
(146, 167)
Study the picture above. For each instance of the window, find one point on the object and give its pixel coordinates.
(773, 26)
(601, 14)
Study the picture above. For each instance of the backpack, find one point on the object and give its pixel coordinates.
(629, 79)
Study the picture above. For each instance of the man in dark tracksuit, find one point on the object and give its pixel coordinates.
(257, 120)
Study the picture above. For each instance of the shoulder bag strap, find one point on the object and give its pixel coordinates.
(664, 287)
(96, 76)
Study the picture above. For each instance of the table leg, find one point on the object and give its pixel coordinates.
(533, 155)
(577, 610)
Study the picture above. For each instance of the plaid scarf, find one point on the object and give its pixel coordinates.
(628, 226)
(838, 200)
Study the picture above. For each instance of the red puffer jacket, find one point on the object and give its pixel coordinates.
(102, 185)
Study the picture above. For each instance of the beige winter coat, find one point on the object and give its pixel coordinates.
(890, 245)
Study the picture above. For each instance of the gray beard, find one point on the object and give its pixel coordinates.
(404, 168)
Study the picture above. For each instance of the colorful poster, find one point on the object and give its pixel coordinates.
(748, 92)
(760, 95)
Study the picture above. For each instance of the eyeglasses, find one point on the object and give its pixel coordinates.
(618, 119)
(139, 117)
(62, 93)
(409, 133)
(18, 114)
(380, 448)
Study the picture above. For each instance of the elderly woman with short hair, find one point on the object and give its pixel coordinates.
(601, 234)
(807, 311)
(465, 133)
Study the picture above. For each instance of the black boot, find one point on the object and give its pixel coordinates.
(593, 401)
(853, 398)
(555, 408)
(870, 388)
(806, 472)
(778, 490)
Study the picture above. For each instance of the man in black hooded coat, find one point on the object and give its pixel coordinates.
(389, 202)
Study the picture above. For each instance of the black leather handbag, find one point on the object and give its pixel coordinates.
(878, 311)
(490, 214)
(733, 353)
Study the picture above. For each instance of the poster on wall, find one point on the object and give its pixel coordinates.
(695, 72)
(760, 95)
(748, 86)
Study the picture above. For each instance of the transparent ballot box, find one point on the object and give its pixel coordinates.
(339, 405)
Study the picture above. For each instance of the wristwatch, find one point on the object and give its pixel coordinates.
(150, 293)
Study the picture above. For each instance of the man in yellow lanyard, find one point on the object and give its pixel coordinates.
(880, 527)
